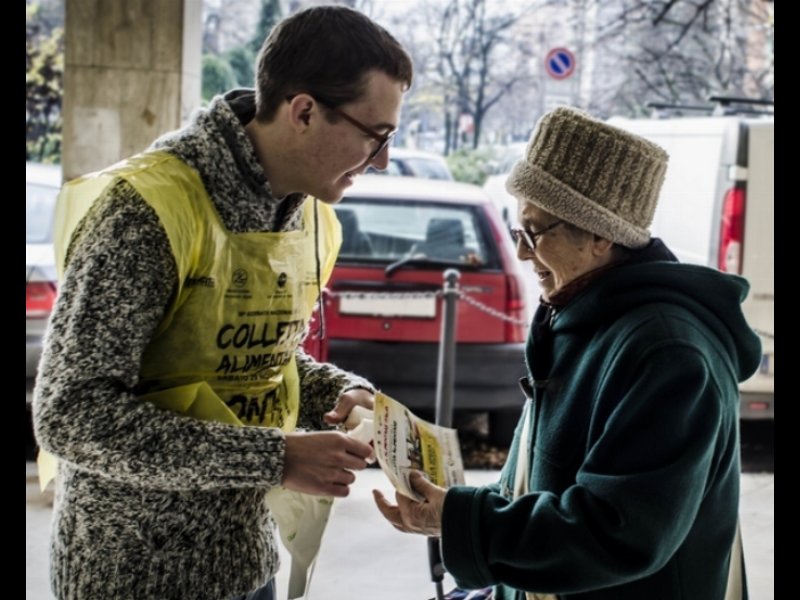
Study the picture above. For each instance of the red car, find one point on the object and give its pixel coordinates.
(384, 316)
(42, 183)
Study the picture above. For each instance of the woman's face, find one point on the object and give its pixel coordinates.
(561, 255)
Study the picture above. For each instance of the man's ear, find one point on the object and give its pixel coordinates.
(300, 110)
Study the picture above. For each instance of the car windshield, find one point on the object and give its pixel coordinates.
(511, 156)
(429, 169)
(384, 232)
(40, 201)
(393, 168)
(409, 165)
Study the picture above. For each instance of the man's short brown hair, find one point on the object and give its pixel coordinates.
(325, 51)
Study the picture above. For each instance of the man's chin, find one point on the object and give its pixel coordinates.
(334, 195)
(330, 198)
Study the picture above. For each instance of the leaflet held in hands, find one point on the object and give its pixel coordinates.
(406, 443)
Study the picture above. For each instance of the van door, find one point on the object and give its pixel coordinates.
(758, 264)
(709, 157)
(701, 151)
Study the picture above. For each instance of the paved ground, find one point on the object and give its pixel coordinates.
(363, 557)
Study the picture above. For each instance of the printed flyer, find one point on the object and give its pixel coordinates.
(404, 443)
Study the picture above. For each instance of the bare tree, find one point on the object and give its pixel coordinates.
(423, 106)
(229, 24)
(485, 58)
(477, 62)
(683, 51)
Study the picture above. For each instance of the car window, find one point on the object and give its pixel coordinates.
(384, 231)
(430, 169)
(394, 168)
(510, 159)
(40, 201)
(410, 166)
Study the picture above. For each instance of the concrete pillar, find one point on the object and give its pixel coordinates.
(132, 72)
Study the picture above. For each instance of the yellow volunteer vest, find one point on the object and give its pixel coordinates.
(243, 299)
(225, 348)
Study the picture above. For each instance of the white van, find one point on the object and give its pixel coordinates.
(717, 209)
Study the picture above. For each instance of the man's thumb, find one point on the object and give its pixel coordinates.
(333, 416)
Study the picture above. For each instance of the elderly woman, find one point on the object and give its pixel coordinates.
(623, 477)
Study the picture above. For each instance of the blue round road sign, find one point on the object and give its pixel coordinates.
(560, 63)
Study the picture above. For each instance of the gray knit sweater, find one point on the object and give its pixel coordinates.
(150, 504)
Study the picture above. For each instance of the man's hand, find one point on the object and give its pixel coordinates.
(346, 402)
(321, 462)
(411, 516)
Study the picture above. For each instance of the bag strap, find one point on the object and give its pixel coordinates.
(737, 576)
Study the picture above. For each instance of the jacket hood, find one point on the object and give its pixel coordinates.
(216, 144)
(655, 277)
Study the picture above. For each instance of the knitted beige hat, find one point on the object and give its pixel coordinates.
(592, 175)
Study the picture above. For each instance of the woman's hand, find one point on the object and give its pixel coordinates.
(411, 516)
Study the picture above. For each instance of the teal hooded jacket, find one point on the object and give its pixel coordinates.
(634, 445)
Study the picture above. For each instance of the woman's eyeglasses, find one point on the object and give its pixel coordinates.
(528, 238)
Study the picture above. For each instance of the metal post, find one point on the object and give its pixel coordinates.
(446, 373)
(436, 565)
(445, 384)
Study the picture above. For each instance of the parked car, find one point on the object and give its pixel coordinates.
(42, 183)
(384, 317)
(717, 208)
(495, 185)
(416, 163)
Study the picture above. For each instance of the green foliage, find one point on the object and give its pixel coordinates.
(44, 87)
(267, 19)
(471, 166)
(241, 61)
(218, 76)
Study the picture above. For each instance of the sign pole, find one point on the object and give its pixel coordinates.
(560, 65)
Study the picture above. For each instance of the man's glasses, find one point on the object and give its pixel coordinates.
(383, 139)
(528, 238)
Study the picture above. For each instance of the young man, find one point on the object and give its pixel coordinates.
(622, 481)
(188, 286)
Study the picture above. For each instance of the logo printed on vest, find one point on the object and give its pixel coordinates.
(239, 278)
(282, 279)
(239, 289)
